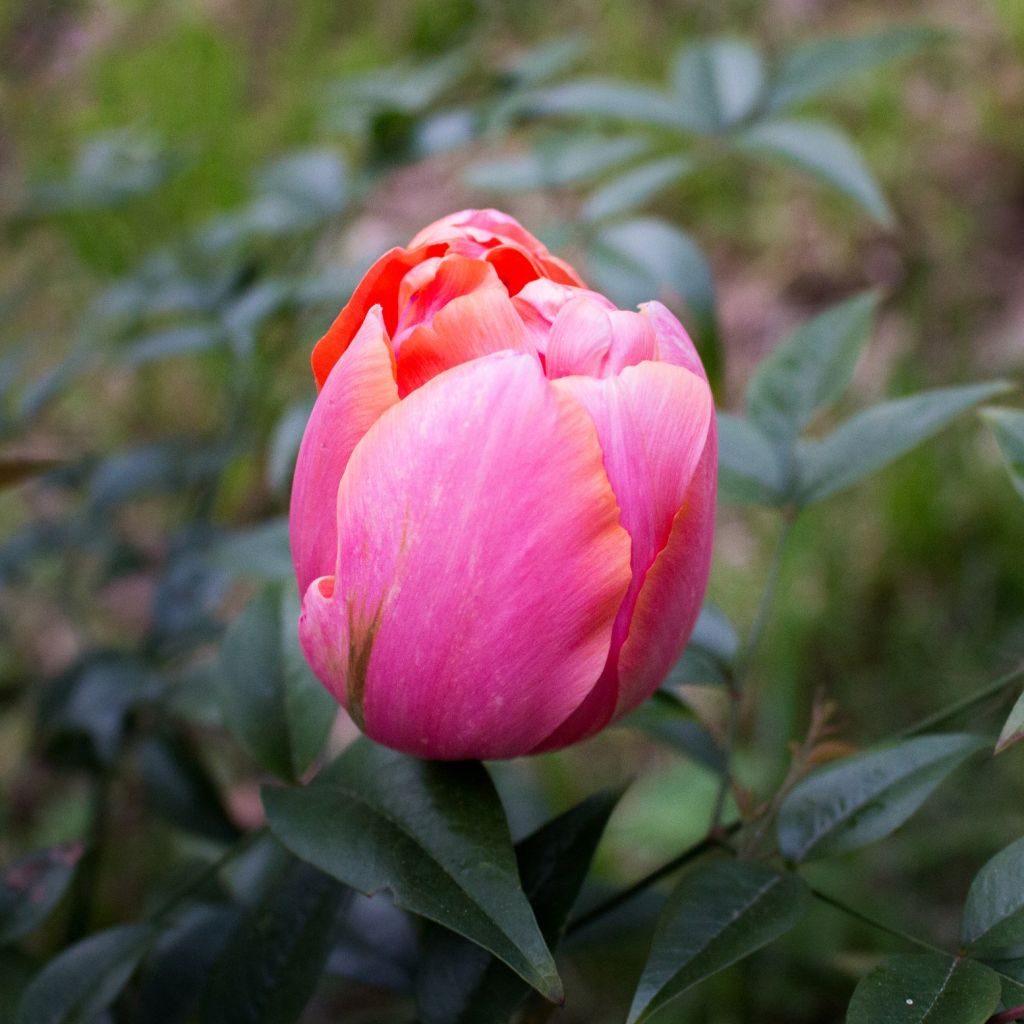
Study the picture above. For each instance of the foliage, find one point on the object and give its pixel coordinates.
(161, 725)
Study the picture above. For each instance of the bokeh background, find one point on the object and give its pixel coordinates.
(188, 193)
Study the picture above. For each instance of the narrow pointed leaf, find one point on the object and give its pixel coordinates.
(1013, 729)
(718, 83)
(433, 833)
(460, 983)
(810, 368)
(85, 979)
(821, 64)
(716, 915)
(878, 436)
(610, 100)
(925, 988)
(31, 887)
(1008, 427)
(749, 468)
(630, 190)
(823, 152)
(864, 798)
(271, 966)
(994, 911)
(272, 702)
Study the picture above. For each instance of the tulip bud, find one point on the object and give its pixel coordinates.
(503, 505)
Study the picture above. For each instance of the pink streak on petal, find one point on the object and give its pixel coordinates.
(468, 327)
(480, 565)
(653, 421)
(673, 590)
(674, 344)
(360, 388)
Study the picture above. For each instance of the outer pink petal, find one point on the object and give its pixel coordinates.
(674, 344)
(470, 326)
(480, 566)
(359, 389)
(653, 422)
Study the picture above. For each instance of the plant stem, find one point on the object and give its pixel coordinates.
(706, 845)
(737, 679)
(88, 871)
(211, 870)
(880, 925)
(954, 709)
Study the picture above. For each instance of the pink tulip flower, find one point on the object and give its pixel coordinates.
(503, 505)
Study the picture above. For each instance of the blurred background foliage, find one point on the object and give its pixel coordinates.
(189, 191)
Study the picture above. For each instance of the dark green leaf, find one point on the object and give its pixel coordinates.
(284, 445)
(810, 368)
(31, 887)
(550, 58)
(610, 100)
(716, 915)
(460, 983)
(634, 261)
(179, 966)
(315, 180)
(272, 701)
(16, 970)
(994, 911)
(820, 64)
(718, 84)
(555, 163)
(180, 340)
(179, 788)
(749, 468)
(1013, 729)
(261, 551)
(434, 833)
(270, 968)
(861, 799)
(630, 190)
(821, 151)
(85, 979)
(1008, 427)
(880, 435)
(670, 721)
(376, 944)
(925, 988)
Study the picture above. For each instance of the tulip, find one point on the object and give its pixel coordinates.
(503, 504)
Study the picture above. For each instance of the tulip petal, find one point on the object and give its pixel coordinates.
(480, 566)
(674, 344)
(653, 422)
(470, 326)
(359, 389)
(589, 340)
(380, 286)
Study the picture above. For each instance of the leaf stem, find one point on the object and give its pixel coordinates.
(692, 853)
(210, 871)
(964, 704)
(873, 922)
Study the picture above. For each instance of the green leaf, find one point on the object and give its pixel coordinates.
(716, 915)
(86, 978)
(180, 340)
(1013, 729)
(555, 163)
(925, 988)
(637, 260)
(434, 833)
(610, 100)
(880, 435)
(994, 911)
(315, 180)
(750, 471)
(272, 701)
(261, 551)
(16, 970)
(820, 64)
(271, 967)
(810, 368)
(1008, 427)
(460, 983)
(633, 188)
(823, 152)
(668, 720)
(179, 788)
(31, 887)
(861, 799)
(718, 84)
(710, 652)
(284, 445)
